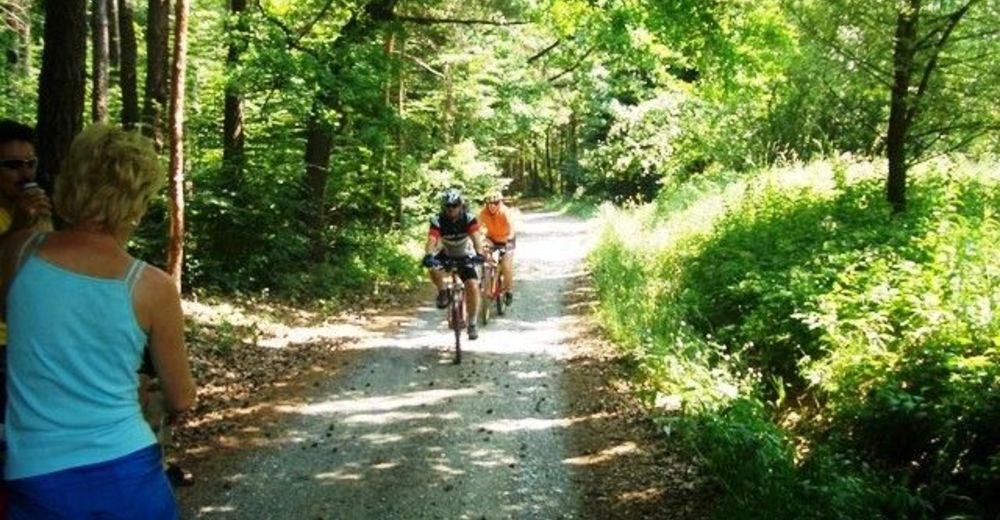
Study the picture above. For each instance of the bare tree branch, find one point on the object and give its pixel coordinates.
(574, 66)
(932, 62)
(424, 65)
(292, 37)
(544, 51)
(954, 147)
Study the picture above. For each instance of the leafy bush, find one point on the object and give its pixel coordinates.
(831, 357)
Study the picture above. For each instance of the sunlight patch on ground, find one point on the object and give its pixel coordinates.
(447, 470)
(642, 495)
(217, 509)
(603, 455)
(382, 438)
(490, 458)
(395, 417)
(385, 465)
(285, 336)
(338, 475)
(530, 375)
(354, 405)
(535, 423)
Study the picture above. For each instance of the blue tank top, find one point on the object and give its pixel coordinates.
(74, 349)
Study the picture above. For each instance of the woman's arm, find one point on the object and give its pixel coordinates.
(158, 307)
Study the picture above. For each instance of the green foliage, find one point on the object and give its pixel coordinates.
(365, 262)
(830, 356)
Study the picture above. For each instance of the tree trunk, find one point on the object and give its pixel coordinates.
(385, 183)
(449, 106)
(157, 87)
(18, 19)
(903, 59)
(570, 182)
(175, 247)
(61, 84)
(400, 141)
(233, 138)
(99, 60)
(320, 134)
(319, 145)
(114, 38)
(549, 176)
(127, 70)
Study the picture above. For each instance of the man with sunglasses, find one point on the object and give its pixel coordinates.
(22, 203)
(499, 222)
(454, 234)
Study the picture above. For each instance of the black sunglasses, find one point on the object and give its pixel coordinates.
(18, 164)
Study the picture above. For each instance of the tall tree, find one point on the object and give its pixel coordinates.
(99, 60)
(61, 84)
(908, 66)
(157, 65)
(319, 144)
(114, 37)
(930, 58)
(233, 138)
(175, 247)
(127, 70)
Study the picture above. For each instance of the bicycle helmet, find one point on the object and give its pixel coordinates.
(495, 196)
(451, 197)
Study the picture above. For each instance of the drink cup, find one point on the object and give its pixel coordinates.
(44, 220)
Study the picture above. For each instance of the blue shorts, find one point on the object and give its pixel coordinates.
(129, 487)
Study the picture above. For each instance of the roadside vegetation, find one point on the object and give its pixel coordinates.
(823, 356)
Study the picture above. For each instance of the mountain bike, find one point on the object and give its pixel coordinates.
(455, 288)
(491, 285)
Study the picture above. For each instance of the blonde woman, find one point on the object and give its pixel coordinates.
(80, 310)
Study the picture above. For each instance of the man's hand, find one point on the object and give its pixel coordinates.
(33, 203)
(429, 261)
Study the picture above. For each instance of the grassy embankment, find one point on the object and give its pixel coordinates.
(823, 357)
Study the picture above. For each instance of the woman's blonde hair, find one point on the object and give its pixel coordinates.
(108, 178)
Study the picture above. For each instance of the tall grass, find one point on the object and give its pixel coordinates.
(833, 359)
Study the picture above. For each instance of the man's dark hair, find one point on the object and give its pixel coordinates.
(11, 130)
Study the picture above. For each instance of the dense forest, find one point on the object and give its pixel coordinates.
(799, 196)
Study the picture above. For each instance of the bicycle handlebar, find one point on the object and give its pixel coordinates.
(451, 264)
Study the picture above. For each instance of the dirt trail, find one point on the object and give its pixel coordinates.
(400, 432)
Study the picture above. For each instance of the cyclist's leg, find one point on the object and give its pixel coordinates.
(437, 278)
(471, 280)
(507, 271)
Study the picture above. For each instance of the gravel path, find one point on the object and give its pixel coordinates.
(400, 432)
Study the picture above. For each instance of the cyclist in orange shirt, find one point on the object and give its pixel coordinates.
(499, 221)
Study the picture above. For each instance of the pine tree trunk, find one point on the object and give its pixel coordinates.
(157, 65)
(175, 246)
(319, 145)
(114, 37)
(127, 70)
(233, 138)
(99, 60)
(400, 141)
(61, 84)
